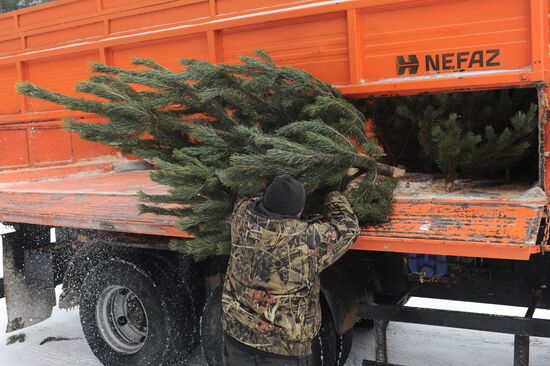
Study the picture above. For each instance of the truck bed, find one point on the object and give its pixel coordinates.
(93, 200)
(490, 219)
(500, 221)
(364, 48)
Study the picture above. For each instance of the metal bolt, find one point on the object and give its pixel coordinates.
(122, 321)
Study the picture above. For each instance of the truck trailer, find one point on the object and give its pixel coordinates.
(140, 302)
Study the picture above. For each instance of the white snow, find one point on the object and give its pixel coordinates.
(56, 353)
(409, 344)
(421, 345)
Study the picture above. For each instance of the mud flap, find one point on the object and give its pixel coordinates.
(30, 294)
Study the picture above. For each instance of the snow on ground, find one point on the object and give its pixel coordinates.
(63, 324)
(421, 345)
(409, 344)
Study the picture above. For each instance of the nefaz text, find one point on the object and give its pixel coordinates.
(447, 61)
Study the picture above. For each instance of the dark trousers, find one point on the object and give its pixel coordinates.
(237, 354)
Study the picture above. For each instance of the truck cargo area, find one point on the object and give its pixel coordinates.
(96, 200)
(480, 240)
(499, 220)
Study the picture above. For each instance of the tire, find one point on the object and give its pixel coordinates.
(85, 258)
(183, 293)
(328, 348)
(130, 316)
(212, 330)
(325, 346)
(345, 341)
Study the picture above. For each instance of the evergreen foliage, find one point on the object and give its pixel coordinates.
(9, 5)
(220, 132)
(478, 134)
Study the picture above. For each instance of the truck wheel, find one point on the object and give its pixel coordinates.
(184, 292)
(345, 341)
(129, 317)
(328, 348)
(85, 258)
(325, 346)
(212, 330)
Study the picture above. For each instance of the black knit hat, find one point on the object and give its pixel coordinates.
(285, 196)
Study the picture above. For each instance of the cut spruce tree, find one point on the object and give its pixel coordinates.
(217, 133)
(473, 135)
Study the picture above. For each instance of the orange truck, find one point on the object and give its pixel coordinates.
(140, 303)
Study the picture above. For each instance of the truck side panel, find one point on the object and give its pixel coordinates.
(447, 38)
(364, 47)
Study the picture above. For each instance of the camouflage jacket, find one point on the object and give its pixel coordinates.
(271, 290)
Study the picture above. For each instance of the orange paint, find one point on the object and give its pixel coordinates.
(444, 247)
(101, 201)
(364, 47)
(478, 228)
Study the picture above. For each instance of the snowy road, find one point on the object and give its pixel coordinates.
(411, 345)
(59, 341)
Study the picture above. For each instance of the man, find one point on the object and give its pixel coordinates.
(271, 309)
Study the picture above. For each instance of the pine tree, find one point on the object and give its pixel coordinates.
(460, 134)
(451, 147)
(9, 5)
(220, 132)
(502, 150)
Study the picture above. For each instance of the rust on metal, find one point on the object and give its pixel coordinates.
(475, 219)
(363, 47)
(483, 229)
(100, 201)
(468, 222)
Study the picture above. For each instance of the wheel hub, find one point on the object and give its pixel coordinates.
(122, 320)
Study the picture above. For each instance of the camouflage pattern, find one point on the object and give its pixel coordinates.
(271, 291)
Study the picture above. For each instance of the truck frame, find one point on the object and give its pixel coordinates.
(491, 239)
